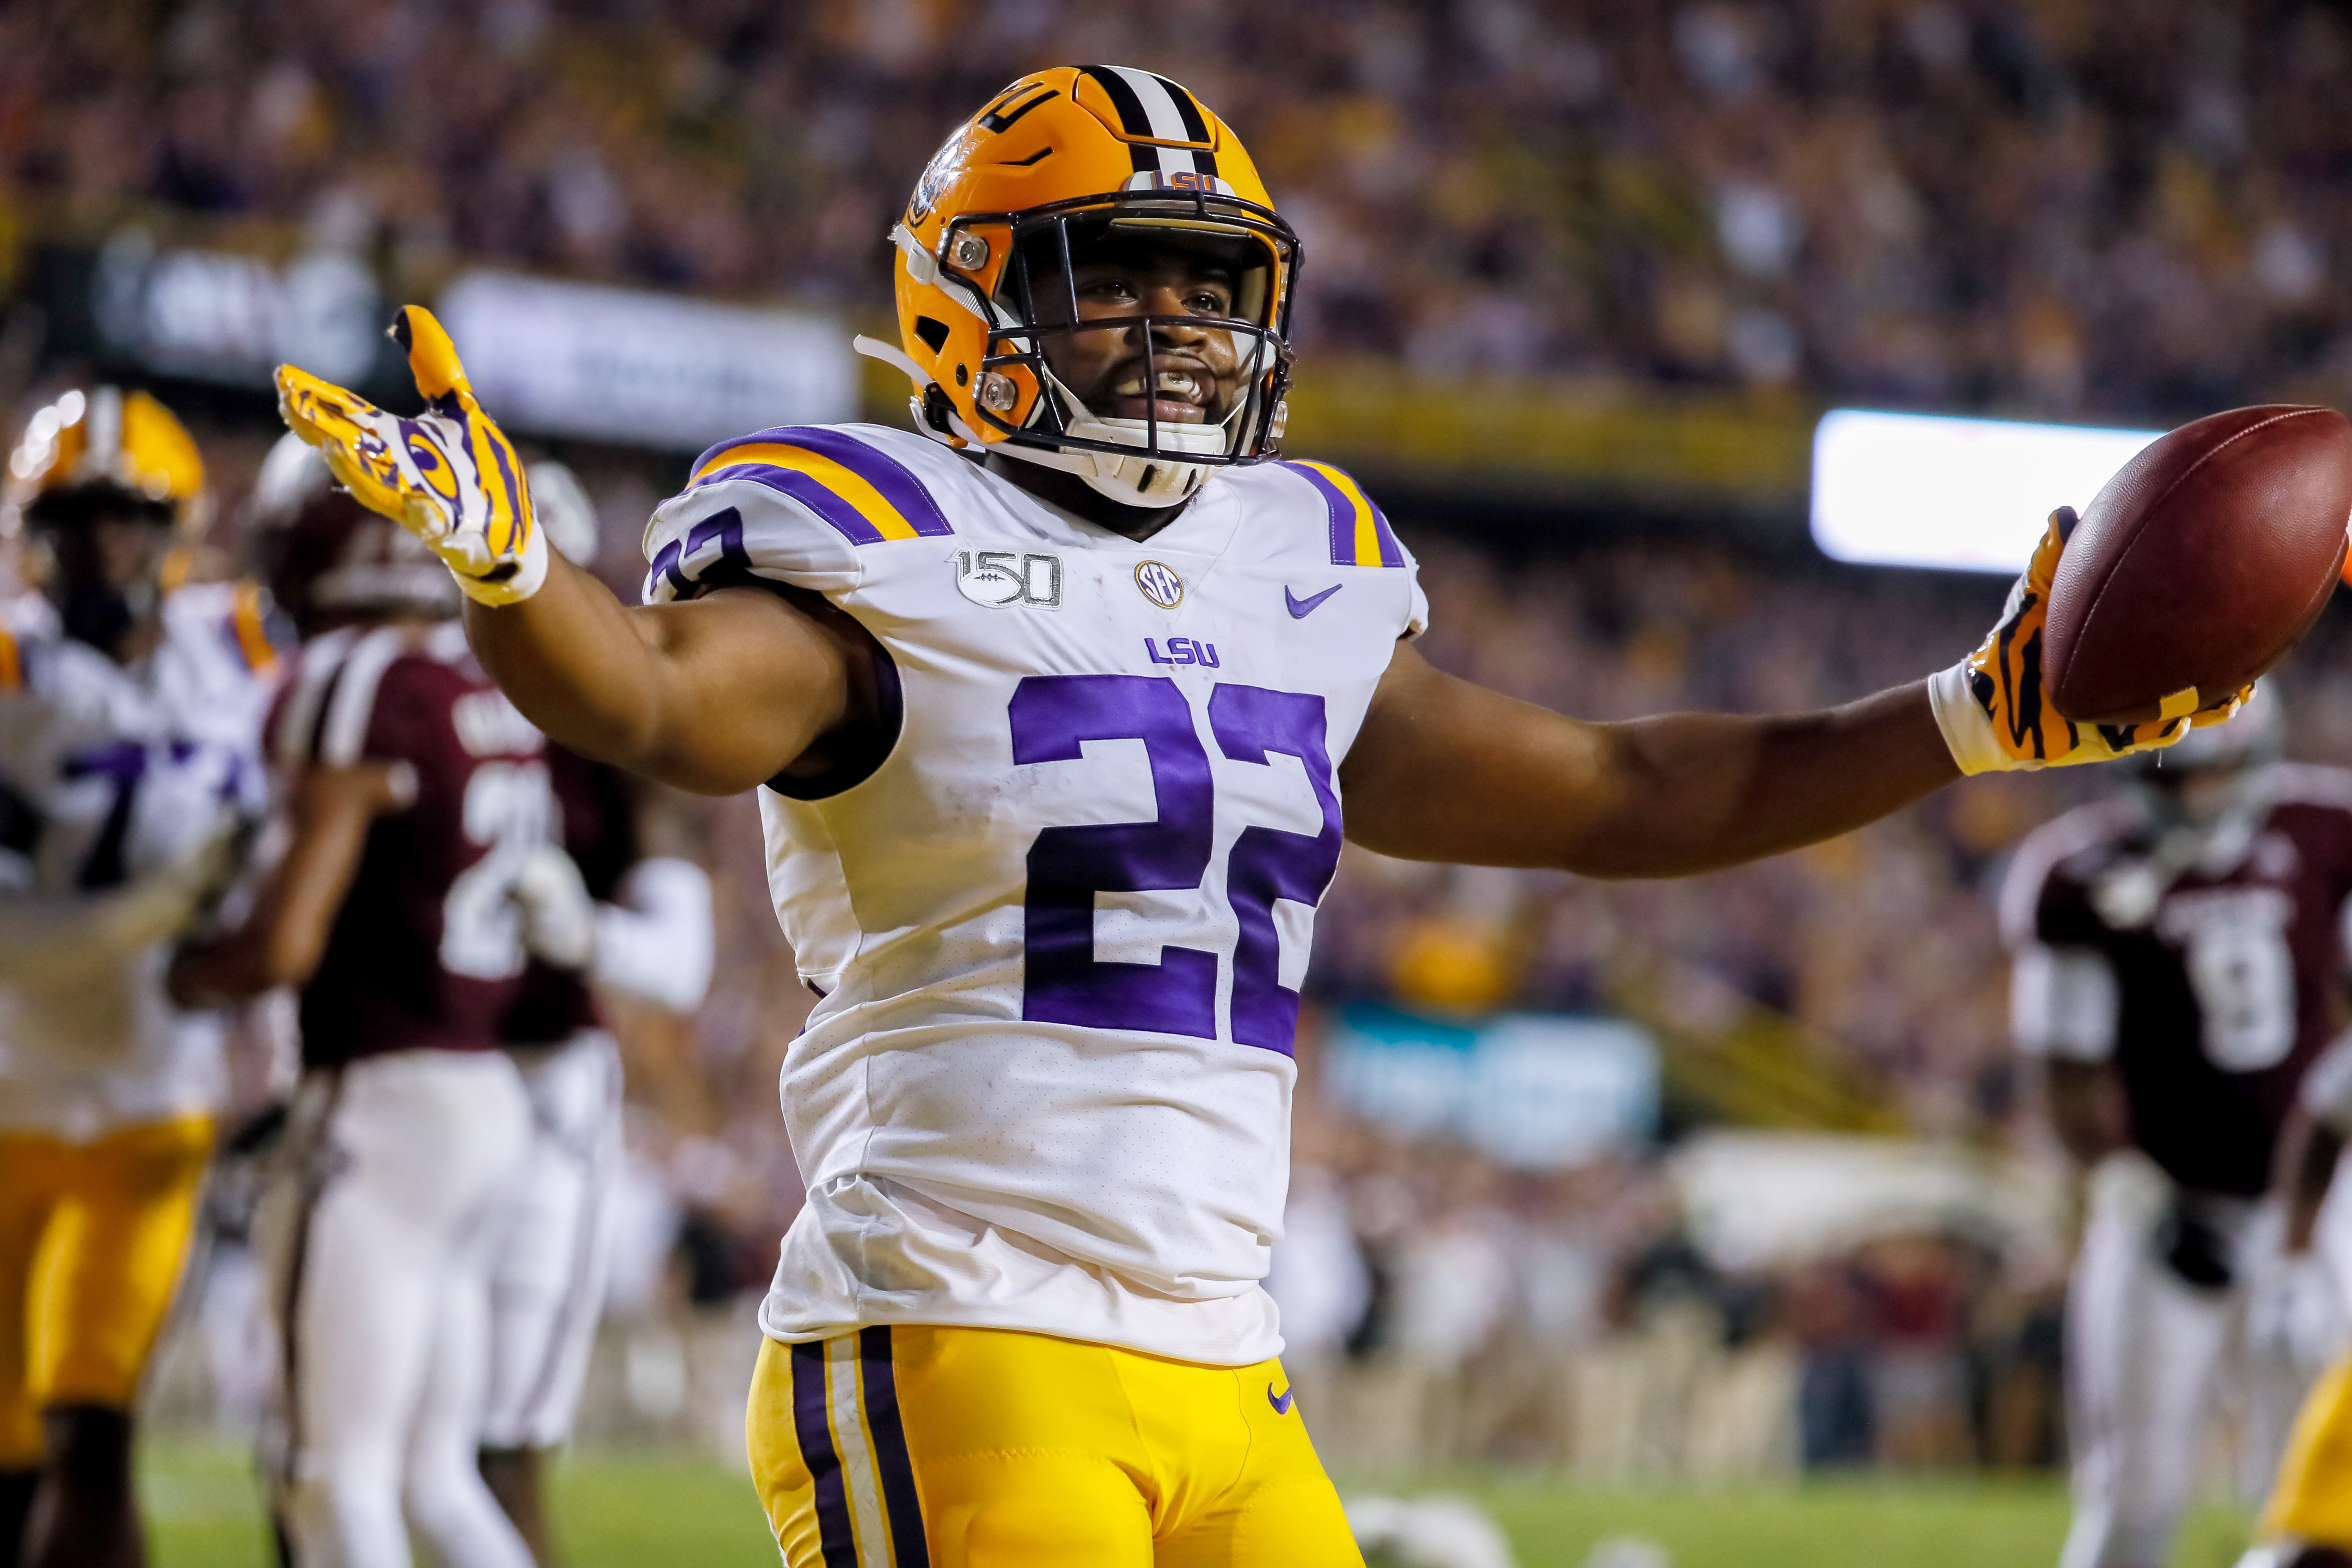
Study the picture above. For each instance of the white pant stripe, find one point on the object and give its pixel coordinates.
(856, 1447)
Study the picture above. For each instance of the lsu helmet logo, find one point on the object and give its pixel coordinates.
(947, 166)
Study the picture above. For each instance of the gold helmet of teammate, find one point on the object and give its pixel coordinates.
(105, 448)
(1069, 172)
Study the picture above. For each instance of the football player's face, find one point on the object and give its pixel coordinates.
(109, 553)
(2194, 798)
(1194, 370)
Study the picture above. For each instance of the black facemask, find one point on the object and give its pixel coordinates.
(92, 608)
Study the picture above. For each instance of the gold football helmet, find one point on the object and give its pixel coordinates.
(1080, 167)
(107, 444)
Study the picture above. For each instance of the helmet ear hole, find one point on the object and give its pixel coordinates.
(932, 331)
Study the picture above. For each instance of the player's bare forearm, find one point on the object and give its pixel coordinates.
(285, 936)
(2086, 1106)
(714, 696)
(1445, 769)
(2308, 1151)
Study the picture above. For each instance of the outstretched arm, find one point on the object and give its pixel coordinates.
(714, 695)
(1444, 770)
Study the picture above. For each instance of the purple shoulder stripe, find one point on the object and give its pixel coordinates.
(1391, 553)
(1342, 508)
(811, 493)
(895, 480)
(895, 483)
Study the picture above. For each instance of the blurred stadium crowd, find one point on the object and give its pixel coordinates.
(2042, 206)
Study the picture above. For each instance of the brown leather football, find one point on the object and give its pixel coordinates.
(2199, 563)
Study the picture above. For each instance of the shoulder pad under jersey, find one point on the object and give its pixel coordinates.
(799, 504)
(2039, 856)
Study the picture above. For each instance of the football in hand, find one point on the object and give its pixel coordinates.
(2199, 565)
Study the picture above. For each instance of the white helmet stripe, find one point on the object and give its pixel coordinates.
(1159, 102)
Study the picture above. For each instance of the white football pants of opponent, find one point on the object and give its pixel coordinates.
(380, 1235)
(653, 943)
(548, 1287)
(2151, 1355)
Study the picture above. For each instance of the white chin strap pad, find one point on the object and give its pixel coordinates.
(1143, 480)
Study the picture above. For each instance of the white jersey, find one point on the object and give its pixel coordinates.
(109, 772)
(1059, 927)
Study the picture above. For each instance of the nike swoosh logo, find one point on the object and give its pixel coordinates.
(1282, 1405)
(1302, 608)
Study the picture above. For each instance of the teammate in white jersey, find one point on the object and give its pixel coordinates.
(129, 726)
(1053, 706)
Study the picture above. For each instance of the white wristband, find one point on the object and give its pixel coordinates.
(1967, 727)
(512, 590)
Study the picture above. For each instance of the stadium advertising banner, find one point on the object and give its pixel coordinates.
(1533, 1090)
(642, 369)
(225, 317)
(1961, 495)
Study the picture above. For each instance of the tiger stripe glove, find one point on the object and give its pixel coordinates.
(450, 476)
(1990, 705)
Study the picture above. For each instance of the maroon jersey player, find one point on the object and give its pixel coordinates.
(425, 949)
(415, 797)
(2179, 951)
(599, 912)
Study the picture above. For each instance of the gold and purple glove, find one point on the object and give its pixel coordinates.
(1991, 708)
(450, 476)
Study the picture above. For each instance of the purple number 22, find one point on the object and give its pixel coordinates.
(1052, 717)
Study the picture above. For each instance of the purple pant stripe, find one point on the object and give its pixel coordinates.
(834, 1536)
(845, 518)
(881, 1385)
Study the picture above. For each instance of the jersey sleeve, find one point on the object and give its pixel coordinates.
(2063, 1003)
(1416, 615)
(792, 505)
(2325, 1092)
(383, 703)
(1360, 536)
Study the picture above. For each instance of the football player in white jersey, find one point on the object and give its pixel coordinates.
(1052, 706)
(130, 731)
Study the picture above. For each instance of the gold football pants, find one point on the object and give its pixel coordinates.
(935, 1447)
(93, 1238)
(2313, 1497)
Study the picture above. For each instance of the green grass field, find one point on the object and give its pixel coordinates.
(620, 1510)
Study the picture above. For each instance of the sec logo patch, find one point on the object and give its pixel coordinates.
(1159, 584)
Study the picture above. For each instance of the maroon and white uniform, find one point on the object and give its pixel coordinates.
(652, 939)
(2203, 967)
(411, 1126)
